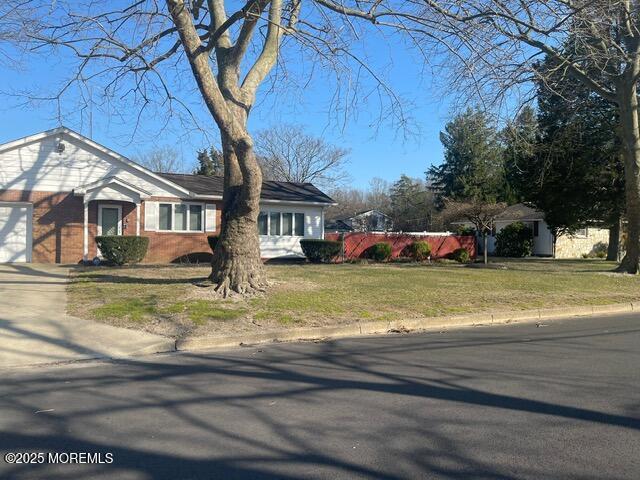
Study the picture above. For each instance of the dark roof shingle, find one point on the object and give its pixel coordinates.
(520, 211)
(271, 190)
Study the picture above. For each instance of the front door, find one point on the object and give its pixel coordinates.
(110, 220)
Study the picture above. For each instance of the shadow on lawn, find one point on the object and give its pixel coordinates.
(280, 412)
(113, 278)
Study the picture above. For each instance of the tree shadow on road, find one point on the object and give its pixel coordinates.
(381, 408)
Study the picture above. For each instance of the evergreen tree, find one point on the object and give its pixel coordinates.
(472, 167)
(412, 205)
(573, 169)
(210, 163)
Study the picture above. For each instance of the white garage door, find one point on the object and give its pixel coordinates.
(15, 232)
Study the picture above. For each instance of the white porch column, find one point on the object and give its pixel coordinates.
(138, 219)
(85, 232)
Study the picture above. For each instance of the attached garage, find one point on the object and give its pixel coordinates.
(15, 232)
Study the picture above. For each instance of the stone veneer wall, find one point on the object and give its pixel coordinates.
(575, 247)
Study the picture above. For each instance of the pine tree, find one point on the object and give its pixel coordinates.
(210, 163)
(472, 167)
(574, 171)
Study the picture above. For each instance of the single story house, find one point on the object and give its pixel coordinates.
(584, 241)
(366, 221)
(59, 189)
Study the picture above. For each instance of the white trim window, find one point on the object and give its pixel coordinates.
(180, 217)
(281, 224)
(581, 233)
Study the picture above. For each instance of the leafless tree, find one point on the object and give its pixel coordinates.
(165, 159)
(144, 50)
(495, 44)
(377, 195)
(349, 201)
(289, 154)
(481, 214)
(19, 22)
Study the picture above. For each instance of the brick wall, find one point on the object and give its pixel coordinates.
(57, 224)
(167, 247)
(58, 229)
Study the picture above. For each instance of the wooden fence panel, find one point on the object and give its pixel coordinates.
(356, 243)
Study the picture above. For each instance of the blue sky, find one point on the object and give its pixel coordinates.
(385, 151)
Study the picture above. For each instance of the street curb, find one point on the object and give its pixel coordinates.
(162, 346)
(399, 326)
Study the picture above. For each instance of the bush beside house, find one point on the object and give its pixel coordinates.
(514, 240)
(123, 249)
(320, 251)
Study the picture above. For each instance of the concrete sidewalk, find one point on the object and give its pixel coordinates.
(35, 328)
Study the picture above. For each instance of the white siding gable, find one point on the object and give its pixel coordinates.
(37, 166)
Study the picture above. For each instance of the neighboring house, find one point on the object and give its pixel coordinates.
(59, 189)
(567, 246)
(337, 226)
(367, 221)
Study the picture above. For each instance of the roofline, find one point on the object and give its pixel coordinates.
(502, 220)
(62, 130)
(367, 211)
(532, 219)
(83, 189)
(330, 200)
(267, 200)
(300, 202)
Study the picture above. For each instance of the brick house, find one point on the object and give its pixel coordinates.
(59, 189)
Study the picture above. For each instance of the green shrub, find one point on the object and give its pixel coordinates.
(121, 249)
(599, 250)
(465, 231)
(320, 251)
(460, 255)
(213, 241)
(380, 252)
(418, 251)
(514, 240)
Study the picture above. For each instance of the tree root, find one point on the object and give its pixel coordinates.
(239, 278)
(628, 266)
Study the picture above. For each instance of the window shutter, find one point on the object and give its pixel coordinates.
(150, 216)
(210, 217)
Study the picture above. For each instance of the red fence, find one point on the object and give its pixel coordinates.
(356, 243)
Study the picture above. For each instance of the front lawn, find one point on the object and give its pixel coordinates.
(163, 299)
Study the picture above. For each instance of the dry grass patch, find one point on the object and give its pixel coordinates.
(164, 300)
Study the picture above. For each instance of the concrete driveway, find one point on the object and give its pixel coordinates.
(35, 328)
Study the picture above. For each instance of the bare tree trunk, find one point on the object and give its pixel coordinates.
(628, 105)
(236, 265)
(614, 240)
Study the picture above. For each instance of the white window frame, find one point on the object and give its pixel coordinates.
(268, 212)
(173, 217)
(582, 235)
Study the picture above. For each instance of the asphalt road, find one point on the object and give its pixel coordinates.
(558, 401)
